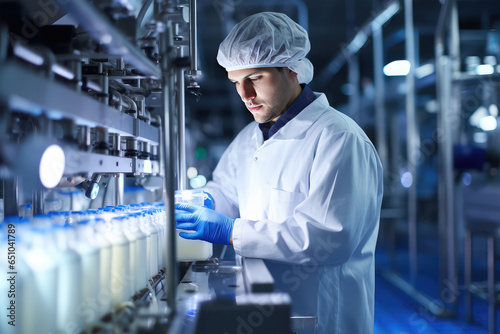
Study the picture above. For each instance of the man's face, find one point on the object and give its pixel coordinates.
(266, 92)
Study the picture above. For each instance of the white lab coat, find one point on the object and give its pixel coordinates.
(309, 204)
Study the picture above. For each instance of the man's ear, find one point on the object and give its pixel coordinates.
(291, 73)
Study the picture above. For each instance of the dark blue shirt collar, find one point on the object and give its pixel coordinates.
(303, 100)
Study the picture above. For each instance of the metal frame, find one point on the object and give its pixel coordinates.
(412, 139)
(446, 63)
(31, 93)
(102, 30)
(168, 155)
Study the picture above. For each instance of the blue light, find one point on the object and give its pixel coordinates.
(467, 179)
(407, 180)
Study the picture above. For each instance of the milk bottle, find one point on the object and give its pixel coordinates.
(70, 287)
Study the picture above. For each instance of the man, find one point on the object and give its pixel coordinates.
(301, 187)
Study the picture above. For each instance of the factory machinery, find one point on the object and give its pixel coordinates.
(91, 97)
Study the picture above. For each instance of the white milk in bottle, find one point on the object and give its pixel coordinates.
(191, 250)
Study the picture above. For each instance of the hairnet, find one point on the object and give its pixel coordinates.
(267, 40)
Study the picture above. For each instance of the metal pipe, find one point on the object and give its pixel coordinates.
(103, 31)
(354, 78)
(181, 131)
(413, 139)
(451, 280)
(446, 215)
(76, 68)
(128, 103)
(119, 189)
(142, 13)
(37, 200)
(193, 38)
(116, 99)
(380, 112)
(193, 72)
(166, 47)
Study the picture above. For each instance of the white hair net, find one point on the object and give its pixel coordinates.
(267, 40)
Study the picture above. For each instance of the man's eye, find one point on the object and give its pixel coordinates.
(254, 79)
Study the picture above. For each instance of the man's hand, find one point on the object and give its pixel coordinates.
(208, 224)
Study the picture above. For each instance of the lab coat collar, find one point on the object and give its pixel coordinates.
(299, 124)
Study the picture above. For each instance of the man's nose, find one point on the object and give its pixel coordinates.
(247, 92)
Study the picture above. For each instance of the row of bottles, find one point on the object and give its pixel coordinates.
(71, 268)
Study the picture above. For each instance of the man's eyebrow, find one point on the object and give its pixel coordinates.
(249, 75)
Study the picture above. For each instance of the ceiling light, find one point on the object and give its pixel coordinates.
(488, 123)
(485, 69)
(397, 68)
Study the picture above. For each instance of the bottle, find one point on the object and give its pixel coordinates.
(120, 262)
(105, 299)
(57, 218)
(42, 221)
(89, 253)
(132, 242)
(155, 221)
(191, 250)
(162, 222)
(162, 236)
(141, 264)
(70, 287)
(141, 221)
(28, 211)
(39, 282)
(153, 249)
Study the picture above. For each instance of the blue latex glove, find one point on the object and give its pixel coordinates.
(209, 225)
(208, 201)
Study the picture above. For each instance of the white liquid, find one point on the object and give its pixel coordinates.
(105, 300)
(142, 264)
(39, 300)
(91, 278)
(104, 296)
(192, 250)
(153, 255)
(90, 309)
(153, 249)
(133, 267)
(120, 273)
(159, 220)
(147, 259)
(69, 293)
(163, 223)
